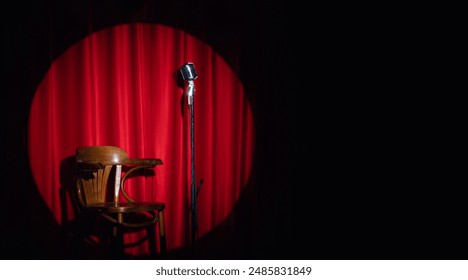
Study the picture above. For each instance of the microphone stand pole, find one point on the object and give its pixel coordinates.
(192, 160)
(189, 74)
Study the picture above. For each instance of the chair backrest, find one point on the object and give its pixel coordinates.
(95, 165)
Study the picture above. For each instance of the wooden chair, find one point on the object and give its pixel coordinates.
(101, 175)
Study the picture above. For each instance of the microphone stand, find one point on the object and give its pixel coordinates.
(188, 73)
(192, 160)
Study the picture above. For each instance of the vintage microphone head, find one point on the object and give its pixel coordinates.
(188, 72)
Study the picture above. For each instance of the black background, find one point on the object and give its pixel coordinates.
(347, 162)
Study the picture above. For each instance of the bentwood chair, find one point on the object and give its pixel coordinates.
(101, 175)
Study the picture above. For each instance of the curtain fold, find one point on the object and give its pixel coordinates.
(119, 86)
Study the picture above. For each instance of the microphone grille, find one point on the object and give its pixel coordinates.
(188, 71)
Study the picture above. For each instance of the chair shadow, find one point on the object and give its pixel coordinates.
(74, 227)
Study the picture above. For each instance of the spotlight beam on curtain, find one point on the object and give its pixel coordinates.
(118, 86)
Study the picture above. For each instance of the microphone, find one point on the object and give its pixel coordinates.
(189, 74)
(188, 71)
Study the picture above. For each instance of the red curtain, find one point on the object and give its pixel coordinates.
(118, 86)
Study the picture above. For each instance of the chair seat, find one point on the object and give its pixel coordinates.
(125, 207)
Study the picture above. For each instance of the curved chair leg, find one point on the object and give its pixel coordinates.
(151, 233)
(117, 239)
(162, 234)
(115, 244)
